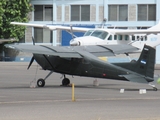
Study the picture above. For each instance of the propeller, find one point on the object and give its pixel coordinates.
(32, 59)
(31, 62)
(72, 32)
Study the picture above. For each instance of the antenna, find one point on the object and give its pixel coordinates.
(103, 22)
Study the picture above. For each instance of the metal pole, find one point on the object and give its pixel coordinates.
(73, 97)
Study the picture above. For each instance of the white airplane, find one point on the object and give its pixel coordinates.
(104, 36)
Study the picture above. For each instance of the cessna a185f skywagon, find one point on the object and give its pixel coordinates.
(82, 61)
(104, 36)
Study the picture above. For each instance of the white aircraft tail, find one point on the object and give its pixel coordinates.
(152, 40)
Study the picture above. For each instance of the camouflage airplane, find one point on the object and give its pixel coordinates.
(84, 61)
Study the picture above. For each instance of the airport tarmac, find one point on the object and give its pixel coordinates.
(19, 101)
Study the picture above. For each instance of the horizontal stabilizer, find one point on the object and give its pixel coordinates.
(135, 78)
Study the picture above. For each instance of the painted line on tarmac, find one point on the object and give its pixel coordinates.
(78, 100)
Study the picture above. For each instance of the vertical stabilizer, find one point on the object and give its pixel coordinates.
(146, 62)
(144, 66)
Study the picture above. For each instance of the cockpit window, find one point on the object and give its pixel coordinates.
(88, 33)
(97, 33)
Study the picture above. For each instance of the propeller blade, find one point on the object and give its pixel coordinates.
(30, 62)
(72, 32)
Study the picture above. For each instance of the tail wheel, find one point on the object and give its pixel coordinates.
(40, 82)
(65, 81)
(155, 89)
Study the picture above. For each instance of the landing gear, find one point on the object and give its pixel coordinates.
(40, 82)
(65, 82)
(154, 87)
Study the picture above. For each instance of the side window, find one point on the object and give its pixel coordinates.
(133, 37)
(115, 37)
(110, 37)
(145, 38)
(126, 37)
(119, 37)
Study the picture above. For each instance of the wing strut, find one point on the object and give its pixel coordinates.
(32, 59)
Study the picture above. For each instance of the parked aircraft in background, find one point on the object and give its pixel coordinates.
(104, 36)
(83, 61)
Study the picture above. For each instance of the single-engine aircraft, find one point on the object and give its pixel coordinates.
(84, 61)
(105, 36)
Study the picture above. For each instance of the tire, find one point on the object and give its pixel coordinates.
(65, 82)
(40, 82)
(155, 89)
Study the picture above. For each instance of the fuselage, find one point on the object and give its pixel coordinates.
(107, 37)
(80, 67)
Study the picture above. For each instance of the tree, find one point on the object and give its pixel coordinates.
(13, 10)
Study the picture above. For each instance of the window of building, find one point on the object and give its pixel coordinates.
(43, 12)
(118, 12)
(80, 12)
(147, 12)
(42, 35)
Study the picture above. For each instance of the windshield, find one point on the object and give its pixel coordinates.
(88, 32)
(97, 33)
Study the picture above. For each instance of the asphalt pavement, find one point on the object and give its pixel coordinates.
(19, 100)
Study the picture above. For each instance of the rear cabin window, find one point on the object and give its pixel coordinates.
(115, 37)
(119, 37)
(133, 38)
(126, 37)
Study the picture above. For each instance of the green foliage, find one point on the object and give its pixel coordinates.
(10, 11)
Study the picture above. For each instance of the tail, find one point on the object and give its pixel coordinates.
(143, 68)
(146, 62)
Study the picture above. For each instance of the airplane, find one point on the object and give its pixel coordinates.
(105, 36)
(84, 61)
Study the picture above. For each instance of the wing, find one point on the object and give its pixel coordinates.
(52, 27)
(132, 32)
(74, 51)
(152, 30)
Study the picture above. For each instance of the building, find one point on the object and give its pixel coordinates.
(137, 14)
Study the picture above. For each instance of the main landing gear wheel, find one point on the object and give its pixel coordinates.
(65, 82)
(40, 82)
